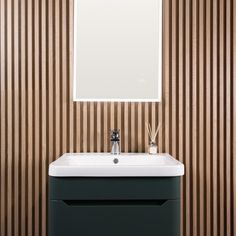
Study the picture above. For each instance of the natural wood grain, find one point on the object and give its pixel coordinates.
(36, 132)
(71, 107)
(221, 116)
(139, 130)
(146, 112)
(85, 127)
(50, 80)
(126, 127)
(3, 118)
(29, 127)
(228, 135)
(194, 112)
(233, 102)
(132, 127)
(78, 121)
(208, 111)
(16, 116)
(99, 127)
(167, 68)
(187, 83)
(201, 118)
(39, 120)
(57, 79)
(91, 127)
(180, 90)
(215, 130)
(64, 69)
(174, 74)
(43, 122)
(9, 115)
(23, 114)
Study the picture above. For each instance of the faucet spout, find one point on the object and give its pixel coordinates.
(115, 141)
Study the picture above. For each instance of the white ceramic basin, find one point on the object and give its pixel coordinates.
(105, 164)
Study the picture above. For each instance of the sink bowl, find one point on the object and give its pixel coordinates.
(125, 164)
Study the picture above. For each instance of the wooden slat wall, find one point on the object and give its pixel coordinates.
(39, 121)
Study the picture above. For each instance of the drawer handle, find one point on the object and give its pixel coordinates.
(114, 202)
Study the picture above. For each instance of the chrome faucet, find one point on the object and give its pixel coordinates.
(115, 141)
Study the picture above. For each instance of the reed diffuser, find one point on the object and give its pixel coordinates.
(152, 133)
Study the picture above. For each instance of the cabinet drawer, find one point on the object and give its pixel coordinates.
(65, 188)
(114, 218)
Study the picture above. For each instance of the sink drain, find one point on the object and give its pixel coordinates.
(116, 160)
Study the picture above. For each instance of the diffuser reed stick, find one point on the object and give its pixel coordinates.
(152, 133)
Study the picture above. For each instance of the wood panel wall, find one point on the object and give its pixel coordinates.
(39, 121)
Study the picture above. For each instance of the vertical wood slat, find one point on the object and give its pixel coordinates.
(39, 120)
(193, 102)
(85, 127)
(50, 82)
(132, 127)
(188, 156)
(9, 115)
(167, 69)
(233, 104)
(208, 112)
(174, 73)
(91, 125)
(180, 118)
(64, 69)
(126, 127)
(3, 116)
(43, 121)
(57, 79)
(139, 130)
(99, 127)
(228, 137)
(201, 119)
(29, 107)
(221, 84)
(71, 112)
(215, 117)
(36, 100)
(146, 114)
(23, 144)
(16, 116)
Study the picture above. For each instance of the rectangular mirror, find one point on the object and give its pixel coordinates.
(117, 50)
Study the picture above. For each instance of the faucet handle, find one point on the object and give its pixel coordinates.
(115, 135)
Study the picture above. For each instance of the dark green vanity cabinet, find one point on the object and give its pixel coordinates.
(143, 206)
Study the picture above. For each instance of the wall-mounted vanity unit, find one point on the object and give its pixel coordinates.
(117, 50)
(113, 195)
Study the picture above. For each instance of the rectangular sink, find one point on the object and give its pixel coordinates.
(124, 165)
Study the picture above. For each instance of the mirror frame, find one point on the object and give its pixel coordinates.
(160, 65)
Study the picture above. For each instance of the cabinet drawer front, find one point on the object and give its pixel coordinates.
(116, 218)
(114, 188)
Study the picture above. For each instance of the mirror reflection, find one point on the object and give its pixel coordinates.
(117, 50)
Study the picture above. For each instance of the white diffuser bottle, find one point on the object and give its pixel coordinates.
(152, 148)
